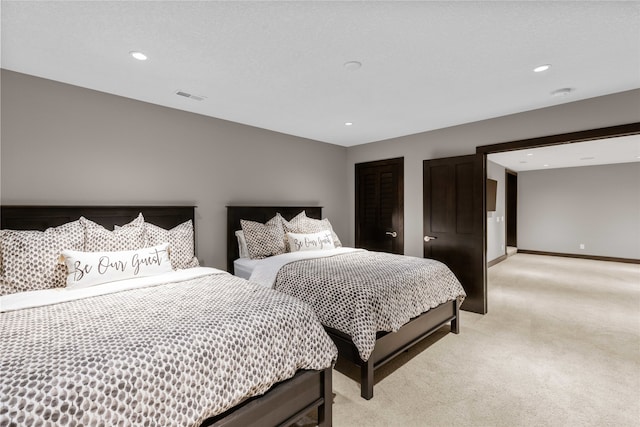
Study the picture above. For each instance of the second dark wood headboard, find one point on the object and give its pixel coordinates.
(259, 214)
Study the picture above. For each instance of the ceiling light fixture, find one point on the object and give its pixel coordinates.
(348, 123)
(138, 55)
(541, 68)
(546, 166)
(529, 154)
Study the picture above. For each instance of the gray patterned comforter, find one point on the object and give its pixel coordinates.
(174, 354)
(360, 293)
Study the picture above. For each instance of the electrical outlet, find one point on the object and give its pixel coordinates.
(581, 245)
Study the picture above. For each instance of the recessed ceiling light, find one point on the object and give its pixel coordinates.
(529, 154)
(352, 65)
(348, 123)
(545, 166)
(138, 55)
(565, 91)
(541, 68)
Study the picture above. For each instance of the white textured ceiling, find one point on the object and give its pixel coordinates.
(280, 65)
(624, 149)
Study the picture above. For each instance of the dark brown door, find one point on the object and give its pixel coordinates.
(380, 205)
(512, 208)
(454, 222)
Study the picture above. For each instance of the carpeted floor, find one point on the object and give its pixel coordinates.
(560, 346)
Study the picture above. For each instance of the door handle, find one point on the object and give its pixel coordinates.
(392, 234)
(428, 238)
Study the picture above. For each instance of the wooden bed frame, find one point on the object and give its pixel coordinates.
(284, 404)
(388, 344)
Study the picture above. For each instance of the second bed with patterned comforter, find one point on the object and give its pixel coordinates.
(359, 292)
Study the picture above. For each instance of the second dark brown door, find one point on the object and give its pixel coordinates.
(380, 205)
(454, 222)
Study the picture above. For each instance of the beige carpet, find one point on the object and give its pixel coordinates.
(560, 346)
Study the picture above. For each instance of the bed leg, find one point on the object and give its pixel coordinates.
(455, 323)
(366, 379)
(325, 415)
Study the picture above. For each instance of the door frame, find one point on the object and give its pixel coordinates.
(546, 141)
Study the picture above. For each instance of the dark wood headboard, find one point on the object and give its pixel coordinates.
(43, 217)
(259, 214)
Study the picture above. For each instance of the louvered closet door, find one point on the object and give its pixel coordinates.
(380, 205)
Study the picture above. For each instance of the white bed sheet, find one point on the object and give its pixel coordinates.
(243, 267)
(22, 300)
(264, 273)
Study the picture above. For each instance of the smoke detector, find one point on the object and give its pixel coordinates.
(191, 96)
(560, 93)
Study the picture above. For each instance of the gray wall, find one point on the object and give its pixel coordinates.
(496, 233)
(598, 206)
(67, 145)
(611, 110)
(63, 144)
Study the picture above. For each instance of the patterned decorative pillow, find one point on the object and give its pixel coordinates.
(31, 258)
(319, 241)
(264, 240)
(99, 239)
(93, 268)
(5, 288)
(180, 239)
(1, 268)
(302, 224)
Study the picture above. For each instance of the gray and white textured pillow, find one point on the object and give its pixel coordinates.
(4, 286)
(302, 224)
(99, 239)
(30, 258)
(180, 239)
(264, 240)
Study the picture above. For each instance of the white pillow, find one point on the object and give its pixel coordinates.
(321, 240)
(93, 268)
(301, 223)
(242, 245)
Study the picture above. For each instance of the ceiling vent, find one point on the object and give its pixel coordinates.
(188, 95)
